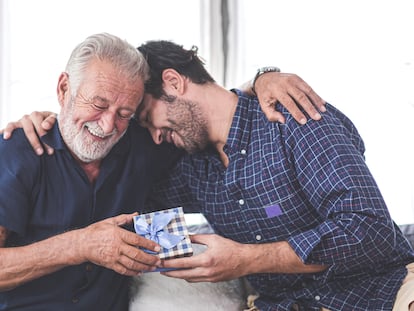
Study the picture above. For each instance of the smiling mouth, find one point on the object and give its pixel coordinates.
(97, 132)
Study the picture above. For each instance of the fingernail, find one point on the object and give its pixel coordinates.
(157, 248)
(49, 151)
(323, 109)
(39, 151)
(303, 121)
(317, 116)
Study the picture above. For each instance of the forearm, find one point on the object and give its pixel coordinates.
(277, 257)
(19, 265)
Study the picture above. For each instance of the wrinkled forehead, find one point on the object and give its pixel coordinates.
(104, 80)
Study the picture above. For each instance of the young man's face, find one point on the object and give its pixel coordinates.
(174, 120)
(95, 119)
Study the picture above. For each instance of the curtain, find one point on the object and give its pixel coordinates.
(4, 62)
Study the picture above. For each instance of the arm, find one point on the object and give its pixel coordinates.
(288, 89)
(357, 231)
(104, 243)
(225, 259)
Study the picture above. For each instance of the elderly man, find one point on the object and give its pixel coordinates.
(63, 245)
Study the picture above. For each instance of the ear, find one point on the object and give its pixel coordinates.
(173, 82)
(63, 88)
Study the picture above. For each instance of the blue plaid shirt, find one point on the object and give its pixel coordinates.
(305, 184)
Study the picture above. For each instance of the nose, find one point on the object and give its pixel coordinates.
(156, 135)
(108, 122)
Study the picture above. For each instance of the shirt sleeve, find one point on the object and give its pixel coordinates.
(355, 226)
(17, 180)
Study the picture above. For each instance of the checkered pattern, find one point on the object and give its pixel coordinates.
(176, 226)
(305, 184)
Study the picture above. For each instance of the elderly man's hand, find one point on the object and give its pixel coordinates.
(107, 244)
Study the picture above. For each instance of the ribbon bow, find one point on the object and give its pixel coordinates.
(155, 231)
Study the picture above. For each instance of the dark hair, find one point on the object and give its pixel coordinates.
(162, 55)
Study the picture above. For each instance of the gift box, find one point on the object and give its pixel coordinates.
(168, 229)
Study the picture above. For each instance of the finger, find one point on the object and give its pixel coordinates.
(122, 269)
(301, 98)
(10, 127)
(268, 107)
(43, 122)
(50, 120)
(316, 100)
(37, 118)
(136, 240)
(201, 238)
(123, 219)
(183, 263)
(137, 259)
(31, 134)
(132, 238)
(190, 275)
(272, 114)
(290, 104)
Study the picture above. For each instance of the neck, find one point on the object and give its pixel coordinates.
(220, 105)
(91, 169)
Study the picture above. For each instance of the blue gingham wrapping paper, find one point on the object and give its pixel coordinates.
(176, 226)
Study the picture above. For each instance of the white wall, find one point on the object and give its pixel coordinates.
(44, 32)
(359, 56)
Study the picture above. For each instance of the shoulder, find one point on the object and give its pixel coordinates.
(334, 128)
(16, 145)
(17, 155)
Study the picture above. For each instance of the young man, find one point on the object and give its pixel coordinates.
(295, 207)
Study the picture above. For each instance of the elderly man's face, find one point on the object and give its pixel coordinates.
(95, 119)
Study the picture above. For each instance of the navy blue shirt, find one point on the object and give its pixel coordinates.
(47, 195)
(305, 184)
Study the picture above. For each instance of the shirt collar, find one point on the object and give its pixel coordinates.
(239, 133)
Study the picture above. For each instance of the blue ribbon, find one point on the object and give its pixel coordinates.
(155, 231)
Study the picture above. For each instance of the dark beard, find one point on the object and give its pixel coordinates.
(188, 122)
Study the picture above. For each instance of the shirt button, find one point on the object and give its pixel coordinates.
(243, 151)
(241, 202)
(258, 237)
(317, 298)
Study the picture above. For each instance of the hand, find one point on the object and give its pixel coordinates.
(106, 244)
(34, 125)
(222, 260)
(291, 91)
